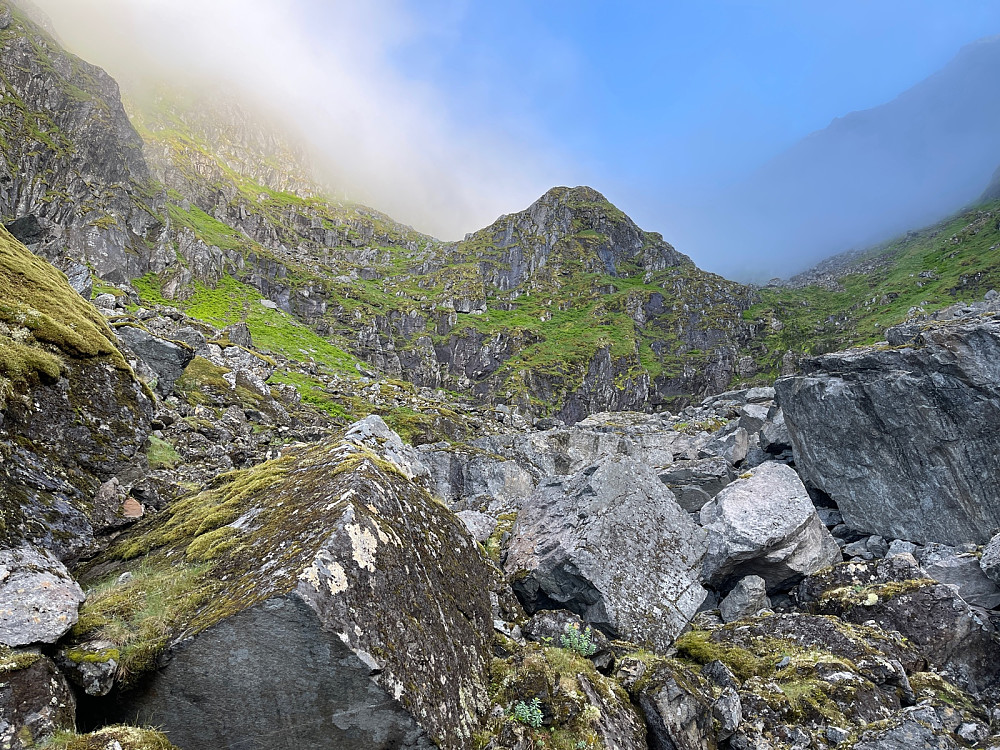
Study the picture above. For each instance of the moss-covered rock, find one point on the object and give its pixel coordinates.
(546, 696)
(35, 700)
(324, 590)
(786, 680)
(112, 738)
(957, 639)
(72, 413)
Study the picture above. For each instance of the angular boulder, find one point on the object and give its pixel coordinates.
(323, 599)
(764, 524)
(905, 440)
(167, 359)
(611, 544)
(38, 597)
(36, 702)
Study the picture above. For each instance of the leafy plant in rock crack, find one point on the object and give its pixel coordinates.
(579, 641)
(529, 714)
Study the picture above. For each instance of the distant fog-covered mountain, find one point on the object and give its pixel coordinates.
(870, 174)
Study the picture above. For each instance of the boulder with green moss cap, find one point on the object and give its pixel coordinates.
(73, 413)
(324, 598)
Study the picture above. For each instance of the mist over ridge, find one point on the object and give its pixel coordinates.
(375, 132)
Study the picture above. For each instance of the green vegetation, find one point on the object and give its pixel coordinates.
(953, 261)
(231, 301)
(138, 616)
(161, 454)
(124, 737)
(208, 229)
(43, 322)
(529, 714)
(579, 641)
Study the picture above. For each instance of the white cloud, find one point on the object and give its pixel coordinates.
(325, 68)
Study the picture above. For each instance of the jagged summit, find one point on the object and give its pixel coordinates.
(572, 226)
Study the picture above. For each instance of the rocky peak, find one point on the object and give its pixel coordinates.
(568, 226)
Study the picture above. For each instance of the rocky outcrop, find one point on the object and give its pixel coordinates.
(959, 640)
(76, 187)
(787, 680)
(611, 544)
(764, 524)
(904, 440)
(36, 702)
(38, 598)
(335, 599)
(72, 414)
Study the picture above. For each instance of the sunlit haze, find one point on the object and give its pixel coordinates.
(447, 114)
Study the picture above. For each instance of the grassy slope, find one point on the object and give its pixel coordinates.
(960, 258)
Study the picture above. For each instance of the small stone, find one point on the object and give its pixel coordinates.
(837, 735)
(132, 509)
(728, 711)
(747, 598)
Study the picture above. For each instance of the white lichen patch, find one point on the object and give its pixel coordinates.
(311, 576)
(337, 581)
(363, 545)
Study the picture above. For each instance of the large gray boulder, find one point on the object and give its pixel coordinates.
(337, 604)
(167, 359)
(611, 544)
(905, 440)
(764, 524)
(39, 600)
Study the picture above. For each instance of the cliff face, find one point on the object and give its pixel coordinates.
(73, 178)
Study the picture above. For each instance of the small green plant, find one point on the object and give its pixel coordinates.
(529, 714)
(575, 640)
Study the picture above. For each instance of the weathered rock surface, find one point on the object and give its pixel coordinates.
(747, 598)
(790, 681)
(905, 440)
(964, 572)
(611, 544)
(990, 560)
(957, 639)
(167, 359)
(765, 525)
(73, 413)
(38, 597)
(35, 700)
(339, 601)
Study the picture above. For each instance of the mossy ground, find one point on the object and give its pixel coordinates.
(552, 675)
(124, 737)
(43, 322)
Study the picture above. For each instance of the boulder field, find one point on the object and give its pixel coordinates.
(723, 577)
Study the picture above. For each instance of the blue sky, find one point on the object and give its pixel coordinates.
(680, 95)
(447, 113)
